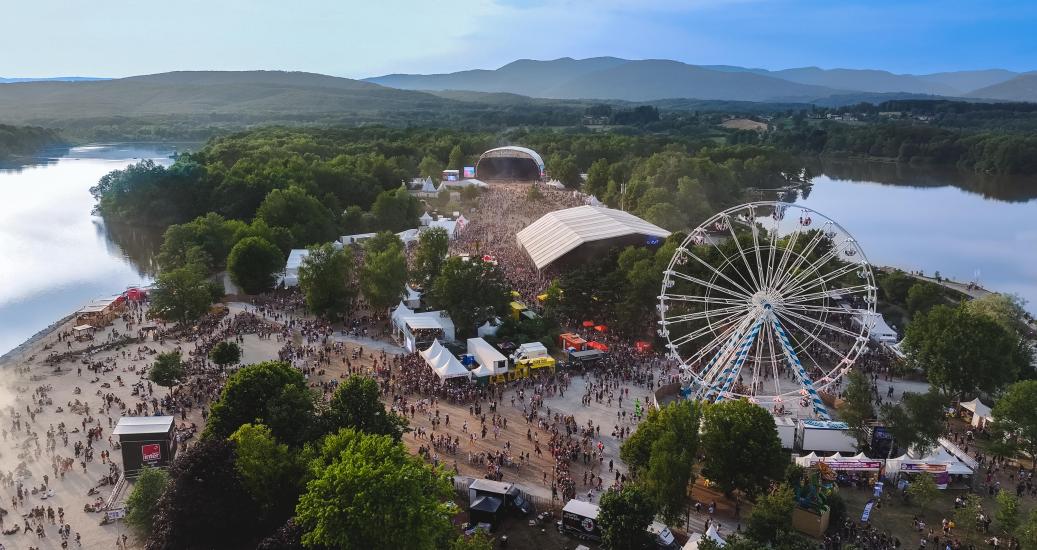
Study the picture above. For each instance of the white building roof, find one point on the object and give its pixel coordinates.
(585, 509)
(143, 425)
(559, 232)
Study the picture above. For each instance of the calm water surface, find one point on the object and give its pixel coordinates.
(54, 255)
(968, 227)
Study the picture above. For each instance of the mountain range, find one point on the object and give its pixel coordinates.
(654, 79)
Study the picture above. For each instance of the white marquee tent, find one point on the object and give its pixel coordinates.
(443, 363)
(562, 231)
(980, 412)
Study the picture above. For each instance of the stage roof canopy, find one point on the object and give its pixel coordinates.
(562, 231)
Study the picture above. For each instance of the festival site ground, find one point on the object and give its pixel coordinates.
(557, 437)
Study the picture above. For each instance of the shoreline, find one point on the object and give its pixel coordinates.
(28, 343)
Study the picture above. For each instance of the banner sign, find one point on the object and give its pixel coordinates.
(849, 464)
(112, 515)
(931, 468)
(152, 452)
(867, 510)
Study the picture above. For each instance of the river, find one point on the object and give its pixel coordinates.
(56, 256)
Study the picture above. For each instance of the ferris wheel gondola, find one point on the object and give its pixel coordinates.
(759, 303)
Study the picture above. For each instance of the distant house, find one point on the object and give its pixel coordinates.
(422, 187)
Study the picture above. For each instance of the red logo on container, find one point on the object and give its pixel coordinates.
(151, 451)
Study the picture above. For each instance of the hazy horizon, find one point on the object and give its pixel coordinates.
(119, 38)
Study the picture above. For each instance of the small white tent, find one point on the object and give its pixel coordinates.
(980, 412)
(443, 363)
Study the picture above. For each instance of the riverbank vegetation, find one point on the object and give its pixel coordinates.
(23, 141)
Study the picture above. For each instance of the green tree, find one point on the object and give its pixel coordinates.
(597, 178)
(662, 454)
(470, 291)
(395, 210)
(384, 273)
(252, 264)
(917, 421)
(1015, 416)
(430, 167)
(167, 370)
(325, 279)
(225, 353)
(478, 541)
(272, 393)
(741, 446)
(210, 237)
(565, 171)
(923, 296)
(771, 514)
(624, 517)
(966, 518)
(270, 472)
(963, 352)
(1007, 310)
(857, 409)
(1007, 514)
(181, 295)
(368, 477)
(433, 246)
(456, 159)
(1027, 532)
(143, 500)
(309, 221)
(923, 490)
(356, 405)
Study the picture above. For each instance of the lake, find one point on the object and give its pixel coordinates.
(968, 227)
(57, 256)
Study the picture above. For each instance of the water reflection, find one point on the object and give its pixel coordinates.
(136, 244)
(1002, 188)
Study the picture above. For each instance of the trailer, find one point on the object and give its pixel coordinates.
(786, 431)
(580, 519)
(825, 436)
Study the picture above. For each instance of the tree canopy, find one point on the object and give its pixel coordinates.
(182, 295)
(142, 502)
(1015, 416)
(167, 370)
(662, 454)
(963, 352)
(470, 291)
(253, 264)
(355, 404)
(741, 446)
(272, 393)
(916, 421)
(624, 518)
(326, 281)
(369, 492)
(433, 245)
(225, 353)
(383, 276)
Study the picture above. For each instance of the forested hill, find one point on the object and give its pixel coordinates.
(205, 92)
(21, 141)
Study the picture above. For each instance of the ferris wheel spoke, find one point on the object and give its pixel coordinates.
(700, 315)
(821, 280)
(790, 271)
(756, 251)
(785, 255)
(686, 338)
(741, 253)
(810, 335)
(774, 359)
(721, 274)
(806, 308)
(772, 251)
(809, 270)
(715, 365)
(823, 325)
(707, 284)
(703, 299)
(804, 377)
(845, 291)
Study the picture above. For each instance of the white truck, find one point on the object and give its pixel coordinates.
(786, 431)
(825, 436)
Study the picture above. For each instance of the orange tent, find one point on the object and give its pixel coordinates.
(588, 324)
(643, 346)
(572, 341)
(600, 328)
(597, 345)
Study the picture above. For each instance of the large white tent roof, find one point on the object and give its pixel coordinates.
(561, 231)
(511, 151)
(443, 363)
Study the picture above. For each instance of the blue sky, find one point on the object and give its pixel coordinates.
(365, 38)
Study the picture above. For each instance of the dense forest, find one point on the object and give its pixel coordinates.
(20, 141)
(318, 184)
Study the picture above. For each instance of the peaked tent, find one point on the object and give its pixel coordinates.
(980, 412)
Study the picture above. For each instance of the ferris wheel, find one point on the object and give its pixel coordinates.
(767, 301)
